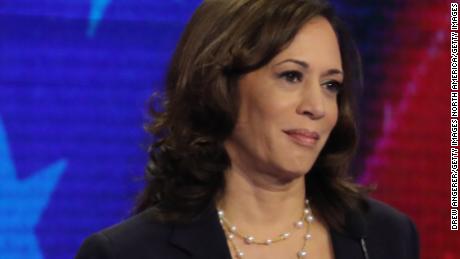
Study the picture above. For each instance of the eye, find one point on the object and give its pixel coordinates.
(292, 76)
(334, 86)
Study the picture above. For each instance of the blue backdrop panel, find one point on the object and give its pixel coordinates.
(74, 78)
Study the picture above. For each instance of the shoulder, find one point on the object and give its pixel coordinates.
(379, 212)
(139, 236)
(390, 231)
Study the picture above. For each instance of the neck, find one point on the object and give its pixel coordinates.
(254, 201)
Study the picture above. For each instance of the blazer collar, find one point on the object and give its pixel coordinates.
(345, 246)
(205, 238)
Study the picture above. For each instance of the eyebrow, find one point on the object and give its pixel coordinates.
(332, 71)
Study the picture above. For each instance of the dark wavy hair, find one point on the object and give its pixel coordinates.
(224, 40)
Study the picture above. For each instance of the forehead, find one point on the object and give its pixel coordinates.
(316, 44)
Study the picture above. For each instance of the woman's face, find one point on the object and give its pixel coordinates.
(296, 90)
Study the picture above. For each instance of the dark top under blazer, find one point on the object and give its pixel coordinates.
(390, 234)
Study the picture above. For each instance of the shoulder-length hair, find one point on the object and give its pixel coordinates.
(224, 40)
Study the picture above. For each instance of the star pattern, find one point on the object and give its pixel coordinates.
(96, 14)
(22, 202)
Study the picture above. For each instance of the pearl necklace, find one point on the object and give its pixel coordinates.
(232, 232)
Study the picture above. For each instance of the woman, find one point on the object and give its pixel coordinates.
(254, 146)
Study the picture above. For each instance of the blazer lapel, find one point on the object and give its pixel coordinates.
(204, 238)
(345, 246)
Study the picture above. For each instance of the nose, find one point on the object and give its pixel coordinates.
(312, 102)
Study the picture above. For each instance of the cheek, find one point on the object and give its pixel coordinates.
(333, 119)
(330, 123)
(332, 114)
(263, 108)
(262, 104)
(259, 123)
(335, 116)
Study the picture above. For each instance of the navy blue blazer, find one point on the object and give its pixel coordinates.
(384, 232)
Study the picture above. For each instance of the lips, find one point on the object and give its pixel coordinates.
(303, 137)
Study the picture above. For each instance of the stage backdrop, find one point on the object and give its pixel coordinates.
(75, 77)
